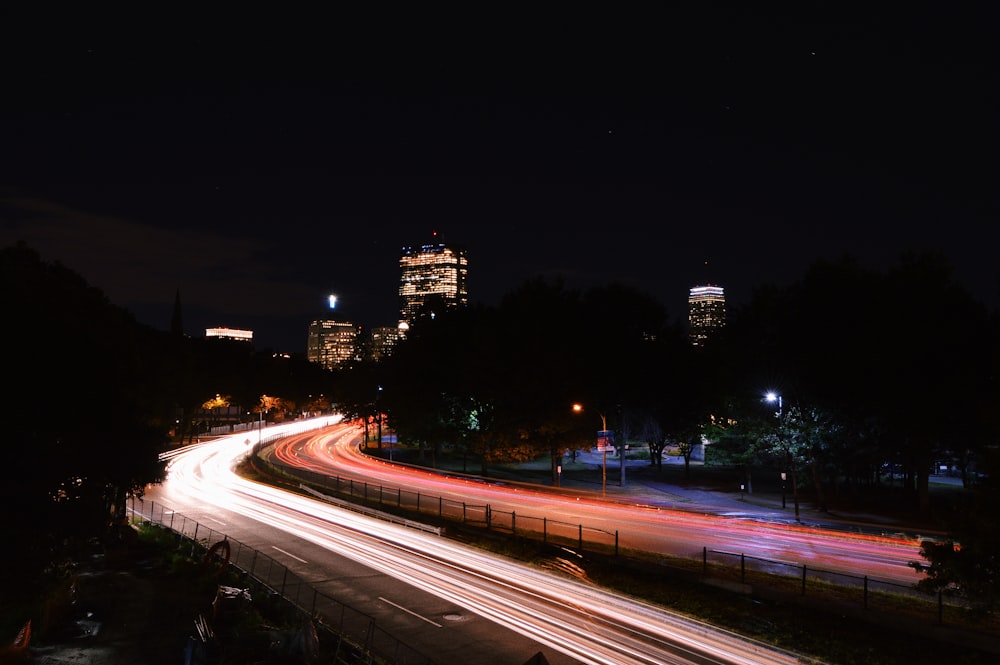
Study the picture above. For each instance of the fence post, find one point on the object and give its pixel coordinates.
(440, 507)
(464, 517)
(489, 516)
(545, 529)
(581, 536)
(743, 568)
(513, 522)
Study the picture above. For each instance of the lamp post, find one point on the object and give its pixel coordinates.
(578, 408)
(773, 397)
(260, 425)
(378, 414)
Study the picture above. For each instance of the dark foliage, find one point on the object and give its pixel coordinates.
(89, 398)
(967, 563)
(81, 400)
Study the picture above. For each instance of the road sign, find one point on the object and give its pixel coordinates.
(605, 441)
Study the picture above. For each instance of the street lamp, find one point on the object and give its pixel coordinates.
(774, 397)
(578, 408)
(378, 414)
(260, 426)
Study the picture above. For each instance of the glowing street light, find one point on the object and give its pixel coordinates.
(774, 397)
(602, 446)
(260, 426)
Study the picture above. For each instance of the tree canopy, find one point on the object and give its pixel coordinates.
(90, 396)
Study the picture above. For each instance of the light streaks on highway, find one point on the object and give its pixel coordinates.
(642, 527)
(589, 624)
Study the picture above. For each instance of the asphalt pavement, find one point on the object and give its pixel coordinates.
(704, 492)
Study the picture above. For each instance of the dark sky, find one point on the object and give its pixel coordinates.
(257, 171)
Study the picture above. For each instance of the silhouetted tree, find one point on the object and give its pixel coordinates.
(84, 431)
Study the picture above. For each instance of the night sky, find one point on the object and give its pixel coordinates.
(257, 174)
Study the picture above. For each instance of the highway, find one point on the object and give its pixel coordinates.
(433, 580)
(639, 526)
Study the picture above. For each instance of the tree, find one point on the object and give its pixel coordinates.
(649, 430)
(73, 462)
(967, 562)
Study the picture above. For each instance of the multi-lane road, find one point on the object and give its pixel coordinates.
(639, 526)
(458, 604)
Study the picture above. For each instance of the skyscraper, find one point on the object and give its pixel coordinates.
(706, 312)
(428, 273)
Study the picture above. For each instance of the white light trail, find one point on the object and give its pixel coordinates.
(590, 624)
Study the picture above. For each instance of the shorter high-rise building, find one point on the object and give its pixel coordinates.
(332, 343)
(229, 333)
(706, 312)
(382, 340)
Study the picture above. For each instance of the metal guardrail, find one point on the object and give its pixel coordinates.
(548, 530)
(378, 514)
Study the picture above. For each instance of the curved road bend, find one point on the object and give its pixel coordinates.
(451, 602)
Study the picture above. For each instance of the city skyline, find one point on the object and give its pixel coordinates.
(733, 148)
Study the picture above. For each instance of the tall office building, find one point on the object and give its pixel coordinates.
(706, 312)
(429, 272)
(331, 343)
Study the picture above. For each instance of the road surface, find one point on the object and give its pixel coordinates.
(452, 602)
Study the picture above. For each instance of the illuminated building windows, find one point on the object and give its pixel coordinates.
(332, 343)
(230, 333)
(706, 312)
(428, 273)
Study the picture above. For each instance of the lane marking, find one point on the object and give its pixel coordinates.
(400, 607)
(289, 554)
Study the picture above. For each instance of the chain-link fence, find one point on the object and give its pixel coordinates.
(866, 591)
(869, 592)
(357, 639)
